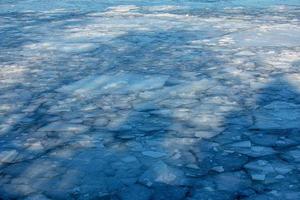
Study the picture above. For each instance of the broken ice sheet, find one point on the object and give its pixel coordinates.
(157, 82)
(263, 170)
(246, 147)
(8, 156)
(162, 173)
(277, 115)
(115, 84)
(269, 35)
(60, 126)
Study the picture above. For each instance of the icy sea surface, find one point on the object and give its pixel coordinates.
(150, 100)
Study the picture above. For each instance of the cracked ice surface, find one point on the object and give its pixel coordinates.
(164, 100)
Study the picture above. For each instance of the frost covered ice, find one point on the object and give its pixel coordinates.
(145, 100)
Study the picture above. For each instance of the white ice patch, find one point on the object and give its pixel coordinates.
(271, 35)
(115, 84)
(8, 156)
(122, 8)
(77, 48)
(62, 127)
(165, 8)
(62, 46)
(294, 80)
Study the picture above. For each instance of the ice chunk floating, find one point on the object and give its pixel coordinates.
(115, 84)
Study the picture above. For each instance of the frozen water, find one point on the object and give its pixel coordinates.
(63, 127)
(278, 115)
(8, 156)
(153, 154)
(132, 99)
(162, 173)
(276, 35)
(115, 84)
